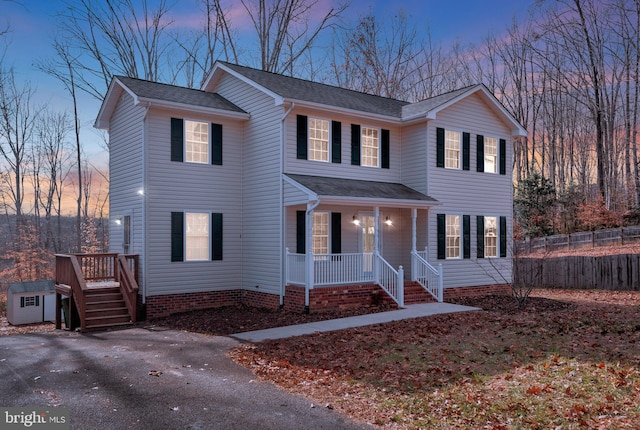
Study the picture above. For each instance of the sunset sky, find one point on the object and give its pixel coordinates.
(33, 24)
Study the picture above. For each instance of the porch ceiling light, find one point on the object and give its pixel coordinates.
(118, 221)
(388, 222)
(356, 221)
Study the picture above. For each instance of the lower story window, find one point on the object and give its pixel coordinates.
(490, 236)
(453, 236)
(320, 232)
(197, 236)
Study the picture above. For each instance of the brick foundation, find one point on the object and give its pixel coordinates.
(321, 299)
(480, 290)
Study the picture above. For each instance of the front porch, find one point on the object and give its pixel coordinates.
(357, 233)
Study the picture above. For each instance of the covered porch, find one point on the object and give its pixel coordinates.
(346, 232)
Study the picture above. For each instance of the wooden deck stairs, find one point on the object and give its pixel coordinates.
(100, 290)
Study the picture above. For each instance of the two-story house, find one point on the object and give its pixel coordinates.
(271, 190)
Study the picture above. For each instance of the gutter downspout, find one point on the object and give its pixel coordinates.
(145, 240)
(283, 217)
(308, 273)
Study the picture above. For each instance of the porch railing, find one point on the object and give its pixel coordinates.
(390, 279)
(349, 268)
(426, 275)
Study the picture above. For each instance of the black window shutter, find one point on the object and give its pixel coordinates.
(301, 232)
(442, 236)
(480, 152)
(466, 149)
(216, 144)
(439, 147)
(22, 302)
(302, 132)
(503, 156)
(177, 139)
(384, 162)
(480, 236)
(466, 236)
(216, 236)
(177, 236)
(336, 142)
(355, 144)
(503, 236)
(37, 300)
(336, 233)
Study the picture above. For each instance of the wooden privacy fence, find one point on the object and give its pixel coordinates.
(586, 239)
(610, 272)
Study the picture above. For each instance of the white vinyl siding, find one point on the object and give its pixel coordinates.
(490, 236)
(451, 149)
(196, 138)
(318, 139)
(470, 192)
(197, 238)
(491, 154)
(370, 145)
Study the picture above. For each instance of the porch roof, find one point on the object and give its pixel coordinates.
(359, 192)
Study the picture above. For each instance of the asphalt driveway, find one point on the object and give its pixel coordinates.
(149, 379)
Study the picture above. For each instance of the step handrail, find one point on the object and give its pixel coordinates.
(426, 275)
(128, 286)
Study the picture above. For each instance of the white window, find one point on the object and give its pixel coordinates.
(320, 233)
(196, 141)
(318, 139)
(452, 149)
(453, 236)
(29, 301)
(370, 147)
(491, 154)
(490, 236)
(197, 236)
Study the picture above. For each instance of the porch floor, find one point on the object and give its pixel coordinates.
(411, 311)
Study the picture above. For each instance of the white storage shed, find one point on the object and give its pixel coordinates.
(31, 302)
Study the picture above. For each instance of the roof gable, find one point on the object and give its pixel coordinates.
(147, 93)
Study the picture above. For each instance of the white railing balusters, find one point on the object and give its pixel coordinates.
(426, 275)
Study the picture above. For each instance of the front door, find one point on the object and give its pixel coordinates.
(367, 241)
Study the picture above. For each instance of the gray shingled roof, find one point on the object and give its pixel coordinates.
(424, 106)
(300, 89)
(31, 286)
(175, 94)
(338, 187)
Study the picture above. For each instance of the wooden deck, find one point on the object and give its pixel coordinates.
(101, 290)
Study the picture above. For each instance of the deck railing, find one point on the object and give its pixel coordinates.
(76, 270)
(426, 275)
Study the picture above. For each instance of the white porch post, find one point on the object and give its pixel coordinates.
(376, 244)
(309, 275)
(414, 217)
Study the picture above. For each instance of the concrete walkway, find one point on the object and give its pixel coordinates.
(411, 311)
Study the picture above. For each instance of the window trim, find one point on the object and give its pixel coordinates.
(329, 138)
(460, 236)
(496, 237)
(460, 135)
(496, 162)
(328, 232)
(186, 236)
(184, 140)
(379, 148)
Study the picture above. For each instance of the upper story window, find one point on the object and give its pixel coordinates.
(370, 147)
(491, 154)
(318, 139)
(452, 149)
(196, 141)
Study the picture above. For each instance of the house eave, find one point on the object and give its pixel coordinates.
(191, 108)
(352, 112)
(381, 202)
